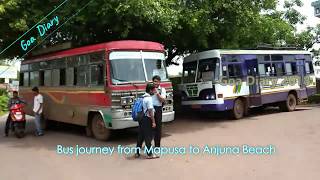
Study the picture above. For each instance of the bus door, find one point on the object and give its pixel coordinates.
(254, 82)
(301, 72)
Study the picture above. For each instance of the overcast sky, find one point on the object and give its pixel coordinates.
(308, 11)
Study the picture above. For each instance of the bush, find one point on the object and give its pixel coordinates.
(3, 92)
(3, 103)
(176, 94)
(314, 99)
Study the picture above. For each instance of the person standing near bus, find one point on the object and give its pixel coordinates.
(158, 99)
(147, 122)
(12, 101)
(37, 109)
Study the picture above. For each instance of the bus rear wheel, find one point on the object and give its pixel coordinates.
(239, 109)
(98, 128)
(290, 104)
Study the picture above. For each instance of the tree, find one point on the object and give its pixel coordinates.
(183, 26)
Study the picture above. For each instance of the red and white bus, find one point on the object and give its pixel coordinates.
(96, 85)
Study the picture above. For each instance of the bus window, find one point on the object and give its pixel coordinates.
(189, 72)
(71, 61)
(21, 79)
(278, 69)
(276, 57)
(56, 77)
(96, 74)
(263, 58)
(309, 67)
(62, 77)
(232, 58)
(70, 76)
(26, 79)
(75, 76)
(41, 78)
(58, 63)
(24, 67)
(288, 69)
(155, 67)
(47, 77)
(268, 69)
(262, 70)
(294, 68)
(289, 58)
(83, 60)
(45, 65)
(224, 71)
(96, 58)
(234, 70)
(126, 70)
(82, 75)
(101, 74)
(34, 78)
(34, 66)
(207, 69)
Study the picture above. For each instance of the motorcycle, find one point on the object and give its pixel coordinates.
(18, 119)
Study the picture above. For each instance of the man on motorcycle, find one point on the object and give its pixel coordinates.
(12, 101)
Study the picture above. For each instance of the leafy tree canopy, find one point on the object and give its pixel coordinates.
(181, 25)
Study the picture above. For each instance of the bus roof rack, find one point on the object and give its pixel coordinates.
(270, 47)
(54, 48)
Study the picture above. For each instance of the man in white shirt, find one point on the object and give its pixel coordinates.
(37, 109)
(158, 99)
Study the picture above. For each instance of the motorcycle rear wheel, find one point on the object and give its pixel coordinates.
(19, 130)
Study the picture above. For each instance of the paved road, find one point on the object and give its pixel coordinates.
(295, 137)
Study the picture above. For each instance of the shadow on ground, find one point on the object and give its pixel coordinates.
(71, 135)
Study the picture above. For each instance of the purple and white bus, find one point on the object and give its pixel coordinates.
(236, 80)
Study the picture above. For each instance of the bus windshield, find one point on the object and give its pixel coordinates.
(127, 67)
(208, 70)
(189, 72)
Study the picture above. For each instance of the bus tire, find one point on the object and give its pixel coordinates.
(98, 128)
(239, 109)
(290, 104)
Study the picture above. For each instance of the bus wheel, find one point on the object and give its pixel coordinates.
(99, 130)
(238, 110)
(290, 104)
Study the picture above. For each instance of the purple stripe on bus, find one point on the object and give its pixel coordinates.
(274, 97)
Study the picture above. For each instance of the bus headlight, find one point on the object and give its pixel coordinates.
(210, 97)
(169, 95)
(127, 100)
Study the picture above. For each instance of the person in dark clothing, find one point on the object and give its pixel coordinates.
(12, 101)
(158, 100)
(147, 123)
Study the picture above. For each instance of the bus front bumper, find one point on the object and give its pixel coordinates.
(122, 123)
(208, 105)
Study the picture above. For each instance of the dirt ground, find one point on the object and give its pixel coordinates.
(294, 136)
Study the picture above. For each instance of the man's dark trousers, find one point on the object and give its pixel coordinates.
(158, 129)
